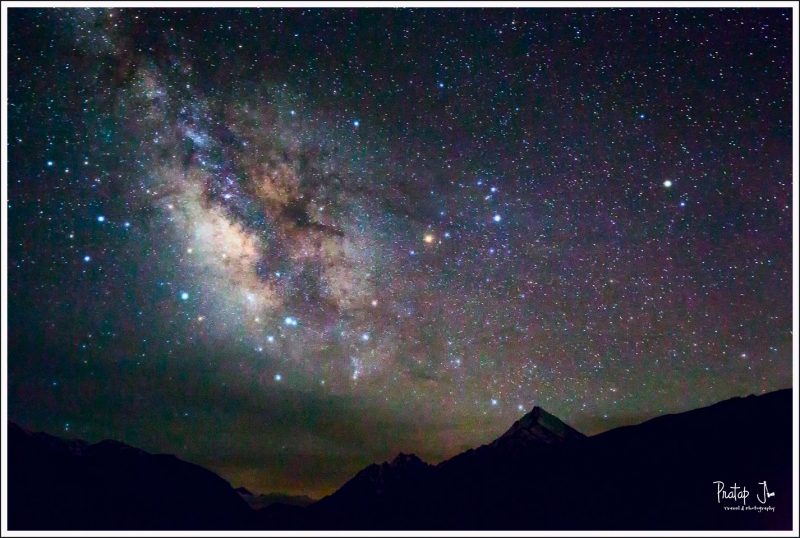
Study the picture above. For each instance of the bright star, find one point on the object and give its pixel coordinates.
(667, 183)
(497, 218)
(184, 295)
(101, 218)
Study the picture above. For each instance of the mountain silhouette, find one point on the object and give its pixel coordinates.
(539, 426)
(58, 484)
(378, 480)
(543, 474)
(540, 474)
(263, 500)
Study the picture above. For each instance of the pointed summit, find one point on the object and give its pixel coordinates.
(406, 460)
(541, 426)
(405, 471)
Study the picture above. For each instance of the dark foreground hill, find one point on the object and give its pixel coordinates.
(540, 474)
(59, 484)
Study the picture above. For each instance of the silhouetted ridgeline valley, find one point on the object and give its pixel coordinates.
(665, 473)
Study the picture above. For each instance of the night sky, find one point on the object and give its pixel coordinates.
(285, 244)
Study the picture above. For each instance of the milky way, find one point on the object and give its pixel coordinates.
(285, 244)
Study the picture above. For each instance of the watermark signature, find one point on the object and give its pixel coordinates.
(737, 497)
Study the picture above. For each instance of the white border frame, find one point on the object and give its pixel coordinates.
(394, 4)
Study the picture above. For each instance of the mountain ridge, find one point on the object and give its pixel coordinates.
(535, 475)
